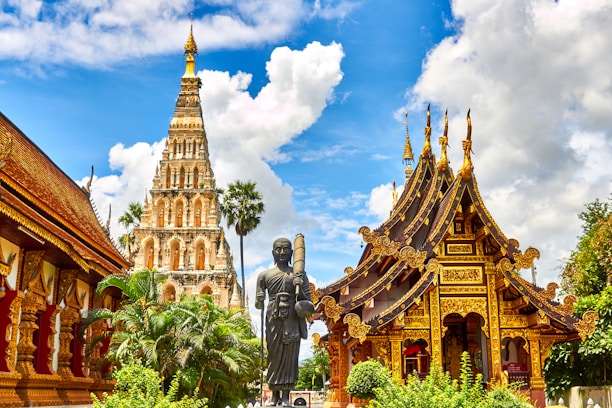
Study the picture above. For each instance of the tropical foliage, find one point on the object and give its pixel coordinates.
(214, 348)
(242, 207)
(587, 275)
(437, 390)
(589, 267)
(130, 219)
(314, 371)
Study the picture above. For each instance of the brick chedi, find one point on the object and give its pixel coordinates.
(180, 234)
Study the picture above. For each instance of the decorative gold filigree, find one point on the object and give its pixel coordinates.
(382, 348)
(414, 258)
(316, 339)
(524, 261)
(331, 310)
(458, 249)
(461, 274)
(367, 235)
(356, 328)
(586, 325)
(381, 244)
(315, 293)
(550, 292)
(567, 307)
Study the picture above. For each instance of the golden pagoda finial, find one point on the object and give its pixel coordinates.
(394, 192)
(191, 49)
(443, 140)
(408, 155)
(467, 167)
(427, 144)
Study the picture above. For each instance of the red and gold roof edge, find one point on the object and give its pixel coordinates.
(31, 174)
(85, 257)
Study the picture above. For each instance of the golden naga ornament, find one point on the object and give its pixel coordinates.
(356, 328)
(586, 326)
(331, 310)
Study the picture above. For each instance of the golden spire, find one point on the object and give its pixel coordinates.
(190, 50)
(427, 144)
(443, 163)
(467, 167)
(394, 193)
(408, 155)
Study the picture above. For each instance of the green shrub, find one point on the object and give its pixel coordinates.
(439, 390)
(365, 377)
(141, 387)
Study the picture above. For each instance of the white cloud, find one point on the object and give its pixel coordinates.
(244, 132)
(102, 33)
(535, 75)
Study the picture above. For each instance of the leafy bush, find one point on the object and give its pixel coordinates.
(439, 390)
(141, 387)
(365, 378)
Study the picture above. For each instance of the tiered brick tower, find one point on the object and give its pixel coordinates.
(179, 234)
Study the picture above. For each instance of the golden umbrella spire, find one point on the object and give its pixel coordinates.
(443, 140)
(427, 144)
(408, 155)
(191, 49)
(467, 167)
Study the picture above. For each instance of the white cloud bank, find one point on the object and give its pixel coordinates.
(105, 32)
(244, 135)
(536, 76)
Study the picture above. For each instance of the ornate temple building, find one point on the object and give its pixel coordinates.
(438, 278)
(180, 234)
(53, 252)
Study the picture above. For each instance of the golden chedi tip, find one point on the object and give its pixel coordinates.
(191, 49)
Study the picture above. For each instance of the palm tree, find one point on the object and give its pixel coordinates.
(214, 347)
(242, 207)
(130, 219)
(218, 349)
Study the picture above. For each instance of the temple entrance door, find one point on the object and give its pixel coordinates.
(464, 334)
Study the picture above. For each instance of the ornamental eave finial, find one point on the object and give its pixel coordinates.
(427, 144)
(408, 156)
(443, 163)
(467, 167)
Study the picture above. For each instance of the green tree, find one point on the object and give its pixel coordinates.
(589, 267)
(219, 351)
(588, 362)
(315, 370)
(587, 275)
(130, 219)
(242, 207)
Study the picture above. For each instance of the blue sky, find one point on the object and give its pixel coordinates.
(307, 98)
